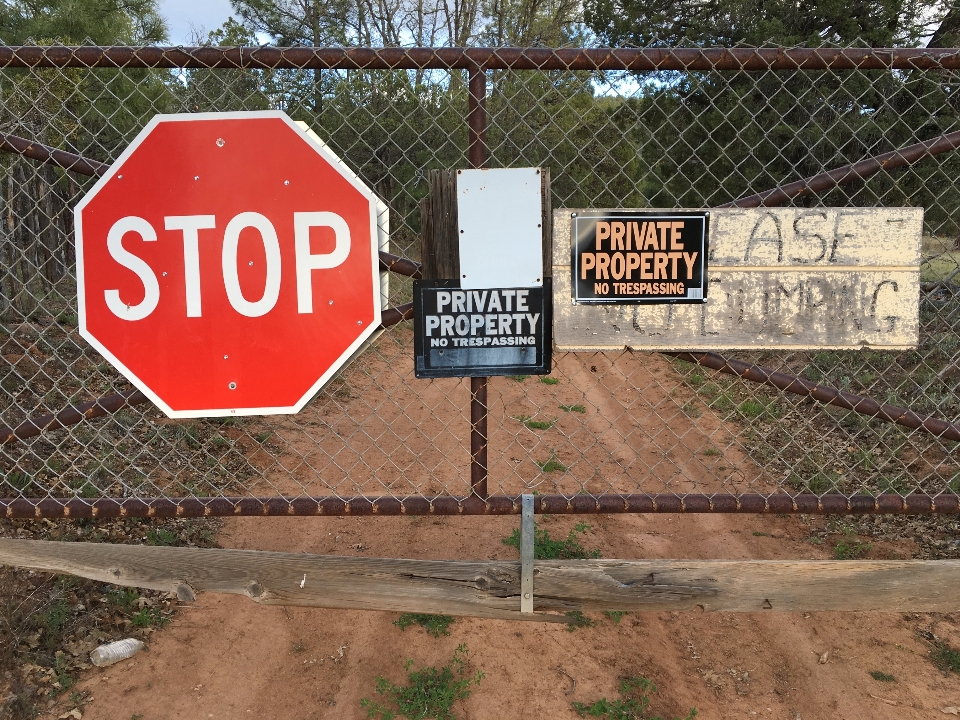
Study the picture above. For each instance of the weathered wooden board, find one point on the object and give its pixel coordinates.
(840, 278)
(491, 588)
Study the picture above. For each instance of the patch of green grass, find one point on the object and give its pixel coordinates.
(430, 692)
(578, 620)
(518, 378)
(818, 483)
(573, 408)
(615, 615)
(757, 533)
(52, 621)
(161, 536)
(691, 409)
(711, 451)
(18, 480)
(64, 679)
(436, 625)
(546, 548)
(754, 409)
(547, 380)
(123, 598)
(551, 464)
(945, 657)
(881, 676)
(262, 437)
(535, 424)
(149, 617)
(851, 550)
(631, 705)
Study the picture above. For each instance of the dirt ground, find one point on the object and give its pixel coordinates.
(225, 657)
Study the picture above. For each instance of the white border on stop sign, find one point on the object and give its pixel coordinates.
(378, 240)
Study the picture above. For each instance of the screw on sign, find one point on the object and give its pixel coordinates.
(227, 264)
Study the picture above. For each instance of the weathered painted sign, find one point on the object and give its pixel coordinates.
(778, 278)
(630, 256)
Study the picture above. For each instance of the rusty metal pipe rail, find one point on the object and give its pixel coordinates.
(52, 156)
(860, 170)
(824, 394)
(833, 504)
(110, 404)
(637, 60)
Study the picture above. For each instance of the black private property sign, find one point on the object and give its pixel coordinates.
(638, 257)
(476, 333)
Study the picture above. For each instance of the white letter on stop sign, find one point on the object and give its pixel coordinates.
(151, 288)
(302, 222)
(271, 247)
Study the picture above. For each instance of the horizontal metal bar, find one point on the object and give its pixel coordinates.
(51, 155)
(825, 394)
(399, 265)
(641, 59)
(31, 427)
(859, 170)
(834, 503)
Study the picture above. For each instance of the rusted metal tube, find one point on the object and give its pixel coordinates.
(72, 415)
(477, 117)
(109, 404)
(478, 436)
(477, 124)
(834, 503)
(860, 170)
(824, 394)
(51, 156)
(639, 60)
(399, 265)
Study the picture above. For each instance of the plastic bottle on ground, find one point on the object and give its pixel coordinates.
(115, 652)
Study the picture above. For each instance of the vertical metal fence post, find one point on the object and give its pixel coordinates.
(477, 121)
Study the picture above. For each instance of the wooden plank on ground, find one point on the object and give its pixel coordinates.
(778, 278)
(491, 588)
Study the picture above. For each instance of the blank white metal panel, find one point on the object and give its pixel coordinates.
(501, 238)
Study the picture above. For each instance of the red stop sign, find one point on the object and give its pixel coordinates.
(227, 264)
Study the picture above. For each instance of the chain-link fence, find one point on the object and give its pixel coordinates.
(605, 432)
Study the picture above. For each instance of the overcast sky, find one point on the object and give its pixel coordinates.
(185, 15)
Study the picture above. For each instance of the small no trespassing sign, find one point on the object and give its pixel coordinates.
(634, 257)
(476, 333)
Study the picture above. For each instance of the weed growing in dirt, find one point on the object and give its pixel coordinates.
(852, 550)
(881, 676)
(578, 620)
(711, 451)
(535, 424)
(551, 464)
(547, 380)
(573, 408)
(945, 657)
(436, 625)
(518, 378)
(149, 617)
(430, 693)
(615, 615)
(546, 548)
(161, 536)
(123, 598)
(632, 704)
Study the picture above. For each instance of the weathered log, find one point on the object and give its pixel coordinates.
(490, 588)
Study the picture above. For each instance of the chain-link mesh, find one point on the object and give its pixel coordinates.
(602, 424)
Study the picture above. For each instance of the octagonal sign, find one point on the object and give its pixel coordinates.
(227, 264)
